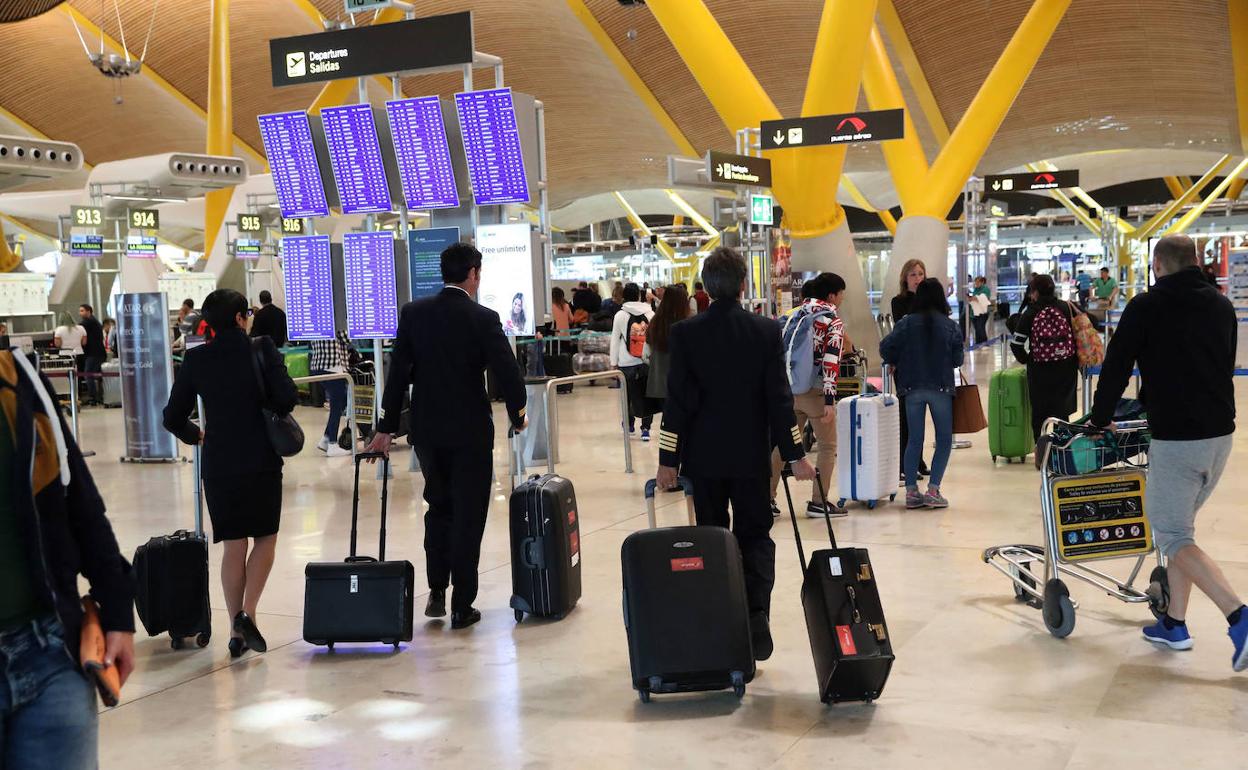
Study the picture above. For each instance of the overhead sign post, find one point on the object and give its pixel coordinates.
(761, 210)
(871, 126)
(359, 6)
(1029, 182)
(727, 168)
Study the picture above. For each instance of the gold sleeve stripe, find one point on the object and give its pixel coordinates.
(797, 435)
(523, 411)
(667, 447)
(668, 434)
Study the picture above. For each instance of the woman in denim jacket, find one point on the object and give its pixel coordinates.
(925, 347)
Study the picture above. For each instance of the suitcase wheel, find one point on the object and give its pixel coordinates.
(644, 695)
(202, 639)
(738, 684)
(519, 616)
(176, 643)
(840, 503)
(329, 646)
(892, 497)
(871, 505)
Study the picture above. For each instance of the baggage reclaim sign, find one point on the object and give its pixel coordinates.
(875, 126)
(726, 168)
(1041, 180)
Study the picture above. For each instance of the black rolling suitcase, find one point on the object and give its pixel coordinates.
(545, 544)
(685, 610)
(844, 618)
(171, 576)
(361, 599)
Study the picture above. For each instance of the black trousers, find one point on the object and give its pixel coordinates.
(751, 523)
(457, 489)
(94, 388)
(1051, 387)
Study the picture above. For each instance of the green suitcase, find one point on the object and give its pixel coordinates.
(1009, 415)
(297, 364)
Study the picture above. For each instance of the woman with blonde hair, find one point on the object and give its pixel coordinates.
(913, 273)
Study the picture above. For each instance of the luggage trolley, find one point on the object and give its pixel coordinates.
(365, 408)
(1092, 508)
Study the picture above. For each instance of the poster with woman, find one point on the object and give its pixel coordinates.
(507, 276)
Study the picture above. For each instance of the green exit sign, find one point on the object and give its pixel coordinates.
(760, 210)
(356, 6)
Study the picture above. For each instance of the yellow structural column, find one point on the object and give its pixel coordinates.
(1191, 216)
(1173, 185)
(958, 158)
(220, 116)
(1144, 231)
(906, 161)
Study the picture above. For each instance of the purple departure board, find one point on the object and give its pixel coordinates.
(355, 156)
(372, 299)
(421, 149)
(492, 146)
(292, 159)
(309, 287)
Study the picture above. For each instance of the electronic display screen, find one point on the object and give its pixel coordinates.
(81, 245)
(492, 146)
(424, 257)
(292, 159)
(141, 246)
(424, 157)
(355, 156)
(309, 287)
(372, 299)
(246, 248)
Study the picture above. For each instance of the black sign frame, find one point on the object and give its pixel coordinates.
(400, 46)
(822, 130)
(721, 169)
(135, 221)
(245, 222)
(1038, 181)
(292, 225)
(93, 215)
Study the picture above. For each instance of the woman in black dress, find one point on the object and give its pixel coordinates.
(242, 474)
(913, 273)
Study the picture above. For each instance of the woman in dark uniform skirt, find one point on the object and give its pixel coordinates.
(242, 474)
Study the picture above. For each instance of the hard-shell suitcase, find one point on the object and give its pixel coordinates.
(1009, 415)
(844, 618)
(111, 385)
(685, 610)
(868, 453)
(361, 599)
(171, 576)
(545, 545)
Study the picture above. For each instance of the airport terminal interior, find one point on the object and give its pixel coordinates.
(605, 159)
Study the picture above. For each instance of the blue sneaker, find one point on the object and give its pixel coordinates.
(1175, 638)
(1239, 637)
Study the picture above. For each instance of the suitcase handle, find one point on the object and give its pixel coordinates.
(355, 503)
(652, 487)
(531, 555)
(827, 518)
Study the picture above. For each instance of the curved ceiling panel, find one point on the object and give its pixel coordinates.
(20, 10)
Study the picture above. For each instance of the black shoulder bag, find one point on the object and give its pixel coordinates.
(285, 435)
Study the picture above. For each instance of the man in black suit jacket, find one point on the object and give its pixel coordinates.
(269, 321)
(728, 404)
(445, 343)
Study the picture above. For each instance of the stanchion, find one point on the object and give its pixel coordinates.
(552, 414)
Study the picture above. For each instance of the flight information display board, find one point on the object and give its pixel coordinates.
(81, 245)
(372, 299)
(246, 248)
(424, 157)
(309, 287)
(141, 246)
(424, 257)
(292, 159)
(355, 156)
(492, 146)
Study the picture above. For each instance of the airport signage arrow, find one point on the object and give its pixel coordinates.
(871, 126)
(1040, 180)
(726, 168)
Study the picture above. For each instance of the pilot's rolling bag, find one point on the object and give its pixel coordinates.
(844, 619)
(545, 546)
(685, 609)
(361, 599)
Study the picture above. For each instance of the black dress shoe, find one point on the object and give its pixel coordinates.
(251, 635)
(237, 647)
(760, 634)
(464, 618)
(436, 606)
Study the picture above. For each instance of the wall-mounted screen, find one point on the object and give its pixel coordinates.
(372, 297)
(292, 159)
(355, 156)
(507, 275)
(424, 257)
(141, 246)
(492, 146)
(422, 152)
(246, 248)
(81, 245)
(309, 287)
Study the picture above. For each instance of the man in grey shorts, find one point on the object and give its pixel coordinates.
(1191, 414)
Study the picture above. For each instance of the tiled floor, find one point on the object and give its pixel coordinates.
(978, 680)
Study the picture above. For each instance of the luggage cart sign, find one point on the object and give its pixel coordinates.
(1101, 515)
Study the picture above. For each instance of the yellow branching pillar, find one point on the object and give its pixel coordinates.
(220, 118)
(9, 260)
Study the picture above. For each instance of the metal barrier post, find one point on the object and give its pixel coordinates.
(350, 399)
(73, 404)
(552, 414)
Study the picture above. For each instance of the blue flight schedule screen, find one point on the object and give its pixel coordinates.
(355, 156)
(492, 146)
(292, 159)
(424, 158)
(372, 299)
(309, 287)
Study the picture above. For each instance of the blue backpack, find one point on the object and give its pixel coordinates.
(799, 351)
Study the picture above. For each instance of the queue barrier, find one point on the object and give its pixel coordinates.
(347, 378)
(73, 376)
(552, 414)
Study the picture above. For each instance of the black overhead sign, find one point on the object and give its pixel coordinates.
(1041, 180)
(726, 168)
(876, 126)
(435, 41)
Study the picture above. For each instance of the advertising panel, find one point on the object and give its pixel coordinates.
(424, 254)
(507, 275)
(146, 375)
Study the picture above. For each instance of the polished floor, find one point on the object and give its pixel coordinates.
(978, 681)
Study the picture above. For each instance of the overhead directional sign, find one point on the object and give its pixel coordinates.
(761, 210)
(876, 126)
(1041, 180)
(726, 168)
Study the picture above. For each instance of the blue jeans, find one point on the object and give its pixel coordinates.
(47, 706)
(941, 406)
(336, 392)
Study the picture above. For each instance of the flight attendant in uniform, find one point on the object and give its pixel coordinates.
(444, 345)
(728, 404)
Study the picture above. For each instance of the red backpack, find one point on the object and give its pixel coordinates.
(637, 328)
(1052, 338)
